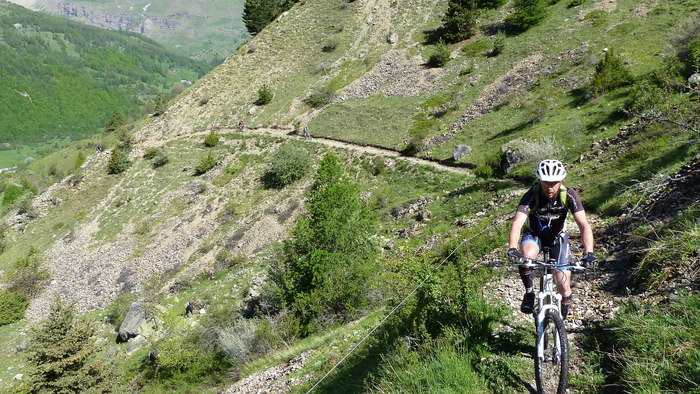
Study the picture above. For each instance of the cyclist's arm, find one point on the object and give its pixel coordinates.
(586, 231)
(514, 237)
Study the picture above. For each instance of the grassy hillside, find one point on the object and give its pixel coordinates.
(61, 80)
(289, 257)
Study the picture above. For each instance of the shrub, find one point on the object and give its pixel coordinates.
(264, 95)
(483, 171)
(238, 340)
(329, 46)
(150, 153)
(439, 56)
(319, 98)
(288, 164)
(160, 159)
(205, 164)
(11, 194)
(212, 139)
(27, 277)
(527, 13)
(12, 306)
(118, 162)
(490, 3)
(25, 206)
(459, 22)
(574, 3)
(610, 73)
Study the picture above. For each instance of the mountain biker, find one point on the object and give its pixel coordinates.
(542, 209)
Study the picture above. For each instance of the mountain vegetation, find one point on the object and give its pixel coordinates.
(351, 237)
(63, 81)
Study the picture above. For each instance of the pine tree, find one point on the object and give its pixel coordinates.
(63, 356)
(116, 120)
(610, 73)
(329, 259)
(161, 104)
(527, 13)
(258, 13)
(460, 20)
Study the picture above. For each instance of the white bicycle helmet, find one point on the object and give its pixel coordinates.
(550, 171)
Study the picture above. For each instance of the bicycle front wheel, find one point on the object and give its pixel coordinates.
(552, 369)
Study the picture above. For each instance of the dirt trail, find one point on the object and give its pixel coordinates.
(288, 133)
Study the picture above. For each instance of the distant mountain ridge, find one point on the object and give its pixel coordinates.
(206, 30)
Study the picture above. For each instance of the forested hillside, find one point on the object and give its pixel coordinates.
(207, 30)
(329, 209)
(61, 80)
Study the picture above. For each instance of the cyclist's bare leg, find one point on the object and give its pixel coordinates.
(563, 280)
(530, 250)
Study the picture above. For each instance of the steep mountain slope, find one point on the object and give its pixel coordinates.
(204, 30)
(172, 237)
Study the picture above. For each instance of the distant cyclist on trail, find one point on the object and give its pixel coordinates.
(544, 208)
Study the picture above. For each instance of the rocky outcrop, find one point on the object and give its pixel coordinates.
(128, 22)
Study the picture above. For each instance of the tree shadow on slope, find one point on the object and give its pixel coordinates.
(522, 126)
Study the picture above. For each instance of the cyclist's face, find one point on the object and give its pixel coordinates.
(550, 189)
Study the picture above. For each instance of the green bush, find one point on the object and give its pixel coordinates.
(319, 98)
(12, 305)
(610, 73)
(212, 139)
(118, 161)
(527, 13)
(575, 3)
(439, 56)
(483, 171)
(264, 95)
(490, 3)
(150, 153)
(27, 277)
(288, 164)
(160, 159)
(205, 164)
(330, 46)
(11, 194)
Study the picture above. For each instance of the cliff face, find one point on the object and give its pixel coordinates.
(136, 23)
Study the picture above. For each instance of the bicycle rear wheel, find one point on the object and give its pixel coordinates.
(552, 371)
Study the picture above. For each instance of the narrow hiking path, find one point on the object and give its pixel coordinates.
(289, 133)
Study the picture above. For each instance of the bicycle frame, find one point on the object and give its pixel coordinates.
(547, 298)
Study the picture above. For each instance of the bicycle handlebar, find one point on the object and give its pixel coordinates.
(534, 263)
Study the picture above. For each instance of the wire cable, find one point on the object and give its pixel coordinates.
(398, 306)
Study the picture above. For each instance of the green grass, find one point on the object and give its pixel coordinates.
(378, 120)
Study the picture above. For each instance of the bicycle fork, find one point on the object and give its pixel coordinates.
(548, 300)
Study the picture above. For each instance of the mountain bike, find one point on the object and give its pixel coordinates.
(552, 343)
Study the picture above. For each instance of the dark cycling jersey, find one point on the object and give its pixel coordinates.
(546, 220)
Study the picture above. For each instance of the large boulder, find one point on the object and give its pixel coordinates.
(513, 154)
(694, 80)
(461, 150)
(137, 322)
